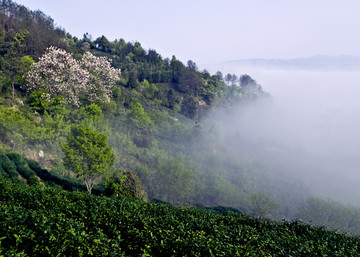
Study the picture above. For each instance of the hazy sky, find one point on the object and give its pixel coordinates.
(209, 31)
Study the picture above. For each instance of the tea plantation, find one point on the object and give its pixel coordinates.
(44, 220)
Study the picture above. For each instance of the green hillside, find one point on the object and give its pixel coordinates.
(117, 120)
(152, 114)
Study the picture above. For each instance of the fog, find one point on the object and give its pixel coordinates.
(311, 122)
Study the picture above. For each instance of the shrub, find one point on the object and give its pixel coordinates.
(125, 183)
(7, 167)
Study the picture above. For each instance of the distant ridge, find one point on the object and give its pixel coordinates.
(317, 62)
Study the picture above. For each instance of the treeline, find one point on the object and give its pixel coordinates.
(180, 87)
(39, 29)
(175, 85)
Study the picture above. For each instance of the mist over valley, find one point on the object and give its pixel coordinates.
(310, 121)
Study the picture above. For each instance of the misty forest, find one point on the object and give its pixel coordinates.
(110, 149)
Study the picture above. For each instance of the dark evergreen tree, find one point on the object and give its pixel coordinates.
(133, 81)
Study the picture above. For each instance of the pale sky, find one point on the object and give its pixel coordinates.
(213, 31)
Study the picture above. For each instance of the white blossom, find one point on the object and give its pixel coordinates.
(58, 73)
(101, 78)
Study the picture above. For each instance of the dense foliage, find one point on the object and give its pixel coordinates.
(87, 154)
(48, 221)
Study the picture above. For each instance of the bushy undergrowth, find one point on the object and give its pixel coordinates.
(17, 168)
(49, 221)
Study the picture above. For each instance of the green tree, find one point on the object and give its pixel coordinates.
(103, 44)
(176, 69)
(149, 90)
(126, 183)
(14, 63)
(173, 182)
(192, 65)
(87, 154)
(138, 116)
(219, 76)
(138, 50)
(228, 78)
(132, 81)
(42, 102)
(330, 213)
(189, 107)
(249, 86)
(263, 204)
(171, 98)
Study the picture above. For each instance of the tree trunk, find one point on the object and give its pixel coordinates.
(13, 91)
(89, 186)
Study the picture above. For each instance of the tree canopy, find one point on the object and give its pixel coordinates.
(58, 73)
(87, 154)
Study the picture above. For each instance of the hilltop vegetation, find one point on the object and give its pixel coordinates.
(153, 114)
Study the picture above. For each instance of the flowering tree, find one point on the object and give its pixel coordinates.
(101, 77)
(58, 73)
